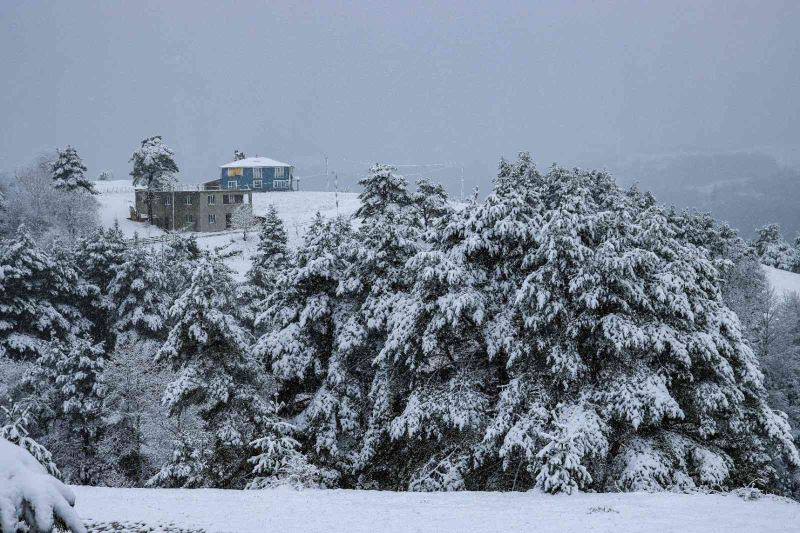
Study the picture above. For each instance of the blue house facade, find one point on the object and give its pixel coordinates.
(257, 174)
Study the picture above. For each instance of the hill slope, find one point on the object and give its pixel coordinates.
(782, 281)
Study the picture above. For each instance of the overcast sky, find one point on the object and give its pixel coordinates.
(401, 82)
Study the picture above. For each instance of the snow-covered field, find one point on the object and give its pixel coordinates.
(348, 511)
(782, 281)
(296, 209)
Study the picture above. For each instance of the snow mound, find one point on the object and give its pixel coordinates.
(782, 281)
(30, 495)
(364, 511)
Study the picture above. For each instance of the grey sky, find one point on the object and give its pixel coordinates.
(401, 82)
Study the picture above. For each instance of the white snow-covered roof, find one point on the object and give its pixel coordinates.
(251, 162)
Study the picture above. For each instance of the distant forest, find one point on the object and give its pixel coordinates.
(747, 190)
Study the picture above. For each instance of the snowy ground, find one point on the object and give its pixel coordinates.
(296, 209)
(782, 281)
(334, 511)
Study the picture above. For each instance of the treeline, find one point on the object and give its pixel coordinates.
(563, 334)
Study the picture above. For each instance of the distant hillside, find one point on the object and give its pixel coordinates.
(745, 190)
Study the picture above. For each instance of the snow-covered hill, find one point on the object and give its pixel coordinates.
(296, 209)
(348, 511)
(782, 281)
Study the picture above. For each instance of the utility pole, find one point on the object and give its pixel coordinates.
(462, 184)
(327, 177)
(173, 207)
(336, 191)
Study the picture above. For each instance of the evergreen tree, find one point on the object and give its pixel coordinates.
(39, 298)
(636, 363)
(97, 257)
(138, 294)
(435, 376)
(154, 168)
(14, 423)
(280, 460)
(268, 261)
(430, 203)
(99, 254)
(177, 259)
(305, 324)
(186, 469)
(210, 351)
(272, 253)
(68, 172)
(773, 250)
(382, 187)
(75, 366)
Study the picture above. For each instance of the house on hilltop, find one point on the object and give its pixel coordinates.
(255, 174)
(192, 208)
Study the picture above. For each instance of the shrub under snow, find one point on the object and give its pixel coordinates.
(32, 497)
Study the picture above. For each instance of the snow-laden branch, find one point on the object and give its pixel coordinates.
(31, 496)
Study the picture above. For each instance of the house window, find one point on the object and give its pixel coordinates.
(234, 172)
(256, 174)
(212, 218)
(212, 200)
(226, 199)
(188, 219)
(228, 220)
(168, 200)
(280, 184)
(188, 200)
(232, 184)
(257, 183)
(278, 172)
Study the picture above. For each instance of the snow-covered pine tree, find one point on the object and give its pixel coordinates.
(186, 469)
(68, 172)
(38, 299)
(442, 378)
(75, 366)
(744, 285)
(99, 254)
(268, 261)
(96, 259)
(634, 360)
(209, 349)
(430, 203)
(140, 298)
(383, 187)
(280, 460)
(177, 258)
(14, 423)
(139, 294)
(304, 322)
(773, 250)
(154, 168)
(271, 253)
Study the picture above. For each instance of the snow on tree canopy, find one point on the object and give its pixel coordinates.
(68, 172)
(38, 298)
(209, 350)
